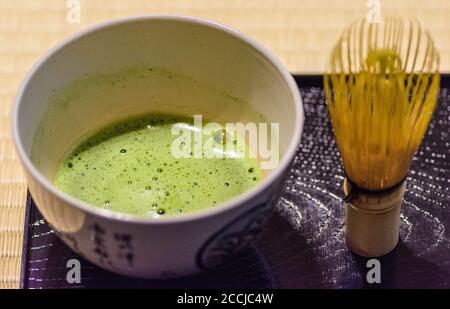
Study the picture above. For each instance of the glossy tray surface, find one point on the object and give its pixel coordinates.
(302, 244)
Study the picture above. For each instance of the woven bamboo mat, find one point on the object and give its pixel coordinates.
(301, 33)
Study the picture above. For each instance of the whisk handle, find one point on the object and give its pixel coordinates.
(372, 220)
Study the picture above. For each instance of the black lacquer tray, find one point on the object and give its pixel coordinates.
(302, 245)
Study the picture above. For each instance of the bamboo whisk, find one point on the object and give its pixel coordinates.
(381, 90)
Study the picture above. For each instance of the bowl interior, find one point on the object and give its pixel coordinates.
(198, 68)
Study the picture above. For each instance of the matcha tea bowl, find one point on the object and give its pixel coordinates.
(95, 124)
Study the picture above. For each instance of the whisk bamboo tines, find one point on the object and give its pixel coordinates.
(381, 89)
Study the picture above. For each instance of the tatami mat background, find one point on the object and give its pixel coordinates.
(300, 32)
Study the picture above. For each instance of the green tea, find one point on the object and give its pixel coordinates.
(129, 167)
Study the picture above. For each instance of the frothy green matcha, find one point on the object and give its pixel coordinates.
(129, 167)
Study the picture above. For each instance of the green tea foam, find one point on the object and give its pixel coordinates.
(128, 167)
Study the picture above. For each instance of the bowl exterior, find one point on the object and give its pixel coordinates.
(156, 251)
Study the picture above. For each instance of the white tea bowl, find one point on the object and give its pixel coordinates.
(205, 51)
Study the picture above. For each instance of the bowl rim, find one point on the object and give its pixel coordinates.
(197, 215)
